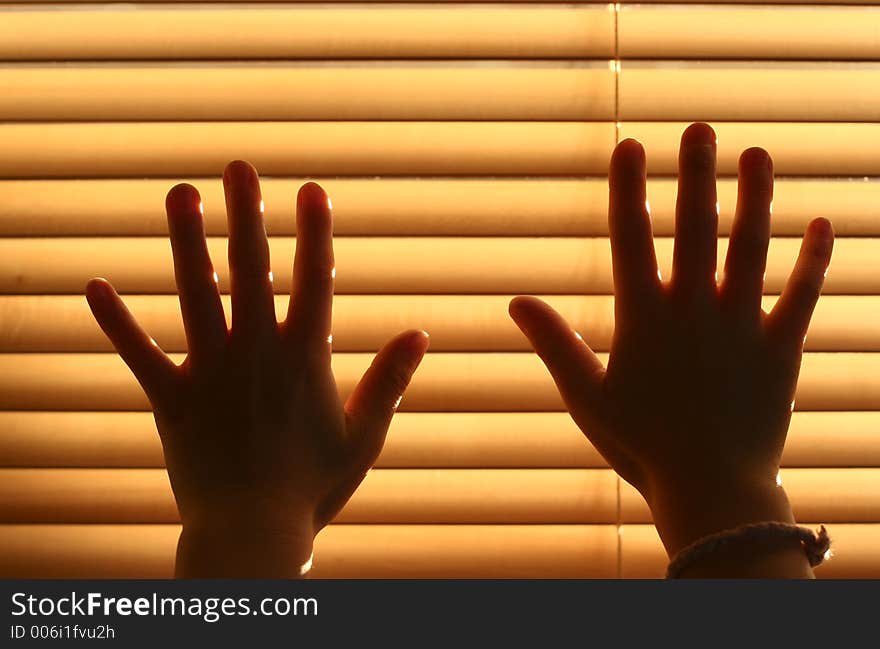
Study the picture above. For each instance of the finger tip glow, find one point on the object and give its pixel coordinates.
(578, 336)
(397, 402)
(307, 566)
(330, 339)
(778, 479)
(262, 206)
(201, 208)
(647, 206)
(333, 273)
(271, 276)
(216, 277)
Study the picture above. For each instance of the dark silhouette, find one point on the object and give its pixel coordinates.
(260, 450)
(695, 403)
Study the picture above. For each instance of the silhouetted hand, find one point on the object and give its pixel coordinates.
(260, 451)
(695, 403)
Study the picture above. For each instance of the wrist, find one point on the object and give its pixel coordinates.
(246, 551)
(687, 512)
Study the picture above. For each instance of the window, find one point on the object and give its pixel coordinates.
(465, 148)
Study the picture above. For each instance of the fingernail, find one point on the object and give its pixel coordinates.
(98, 287)
(235, 167)
(98, 284)
(700, 134)
(822, 227)
(312, 191)
(634, 144)
(824, 232)
(182, 197)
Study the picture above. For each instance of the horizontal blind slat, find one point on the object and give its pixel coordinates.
(753, 91)
(64, 323)
(485, 90)
(378, 265)
(509, 30)
(385, 496)
(429, 206)
(380, 91)
(444, 382)
(351, 551)
(415, 440)
(420, 496)
(706, 30)
(304, 30)
(827, 495)
(141, 149)
(170, 149)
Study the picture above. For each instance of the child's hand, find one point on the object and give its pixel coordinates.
(695, 403)
(260, 451)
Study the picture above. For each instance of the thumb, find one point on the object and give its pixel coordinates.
(575, 368)
(373, 402)
(368, 413)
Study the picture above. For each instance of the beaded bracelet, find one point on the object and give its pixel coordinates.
(817, 545)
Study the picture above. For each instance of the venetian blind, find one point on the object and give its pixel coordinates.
(465, 148)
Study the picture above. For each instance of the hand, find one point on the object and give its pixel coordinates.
(260, 451)
(695, 403)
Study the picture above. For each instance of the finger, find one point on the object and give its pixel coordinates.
(253, 307)
(576, 370)
(369, 410)
(372, 404)
(791, 315)
(750, 234)
(634, 262)
(200, 305)
(311, 301)
(694, 257)
(151, 367)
